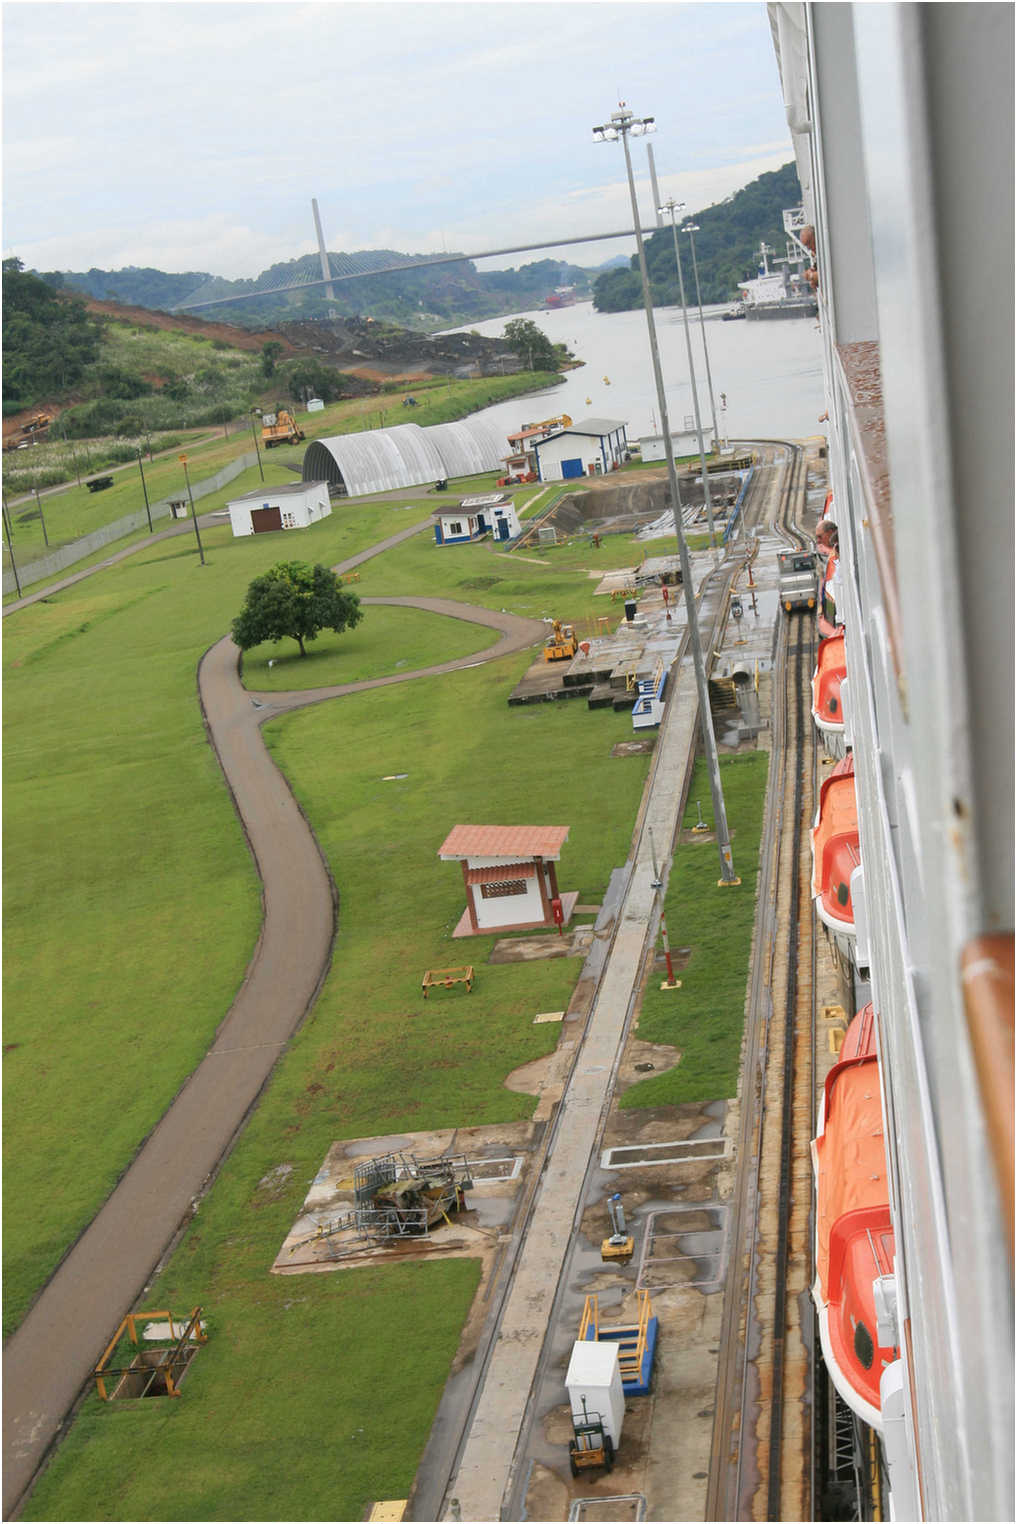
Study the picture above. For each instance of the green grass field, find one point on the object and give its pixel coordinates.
(373, 1058)
(705, 1019)
(132, 908)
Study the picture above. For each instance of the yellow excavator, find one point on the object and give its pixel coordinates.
(562, 643)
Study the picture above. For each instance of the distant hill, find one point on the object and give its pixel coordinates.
(727, 245)
(429, 298)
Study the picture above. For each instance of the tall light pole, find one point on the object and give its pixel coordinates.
(672, 207)
(621, 124)
(692, 230)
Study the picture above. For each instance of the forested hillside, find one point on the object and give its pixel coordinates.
(726, 247)
(49, 339)
(440, 296)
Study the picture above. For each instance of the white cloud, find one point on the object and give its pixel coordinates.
(132, 128)
(213, 243)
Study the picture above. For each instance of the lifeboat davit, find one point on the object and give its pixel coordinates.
(829, 694)
(836, 856)
(854, 1234)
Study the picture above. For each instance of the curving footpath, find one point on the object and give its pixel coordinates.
(49, 1358)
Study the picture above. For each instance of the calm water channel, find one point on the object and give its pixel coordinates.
(770, 372)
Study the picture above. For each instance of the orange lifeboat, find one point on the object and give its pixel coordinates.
(828, 699)
(835, 856)
(854, 1233)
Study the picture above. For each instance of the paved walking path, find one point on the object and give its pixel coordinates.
(50, 1356)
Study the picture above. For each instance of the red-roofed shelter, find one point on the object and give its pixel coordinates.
(509, 876)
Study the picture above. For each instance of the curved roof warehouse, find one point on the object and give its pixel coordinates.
(383, 460)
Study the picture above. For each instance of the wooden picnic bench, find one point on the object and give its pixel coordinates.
(463, 974)
(99, 483)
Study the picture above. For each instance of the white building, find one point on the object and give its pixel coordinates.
(684, 442)
(492, 513)
(294, 505)
(587, 448)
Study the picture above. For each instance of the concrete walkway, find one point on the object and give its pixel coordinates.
(485, 1471)
(49, 1358)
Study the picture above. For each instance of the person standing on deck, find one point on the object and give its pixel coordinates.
(828, 546)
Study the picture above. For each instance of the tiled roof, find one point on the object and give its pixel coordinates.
(496, 871)
(503, 841)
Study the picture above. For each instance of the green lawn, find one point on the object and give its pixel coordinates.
(706, 1017)
(373, 1058)
(311, 1400)
(131, 903)
(387, 640)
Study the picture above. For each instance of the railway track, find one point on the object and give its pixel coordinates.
(761, 1465)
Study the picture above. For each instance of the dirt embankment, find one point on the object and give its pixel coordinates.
(182, 322)
(360, 346)
(373, 351)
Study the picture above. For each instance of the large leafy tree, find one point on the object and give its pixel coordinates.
(532, 345)
(295, 601)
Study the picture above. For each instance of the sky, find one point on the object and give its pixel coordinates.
(192, 136)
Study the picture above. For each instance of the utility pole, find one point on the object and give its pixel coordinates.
(42, 520)
(144, 489)
(10, 545)
(194, 516)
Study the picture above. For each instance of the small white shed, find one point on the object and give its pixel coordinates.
(509, 877)
(684, 442)
(294, 505)
(587, 448)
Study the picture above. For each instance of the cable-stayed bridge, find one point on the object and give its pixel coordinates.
(344, 267)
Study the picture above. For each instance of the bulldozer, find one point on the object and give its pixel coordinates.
(279, 428)
(562, 643)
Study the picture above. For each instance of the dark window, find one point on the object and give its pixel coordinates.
(507, 886)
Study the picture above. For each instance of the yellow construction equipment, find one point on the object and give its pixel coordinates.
(563, 420)
(279, 428)
(562, 643)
